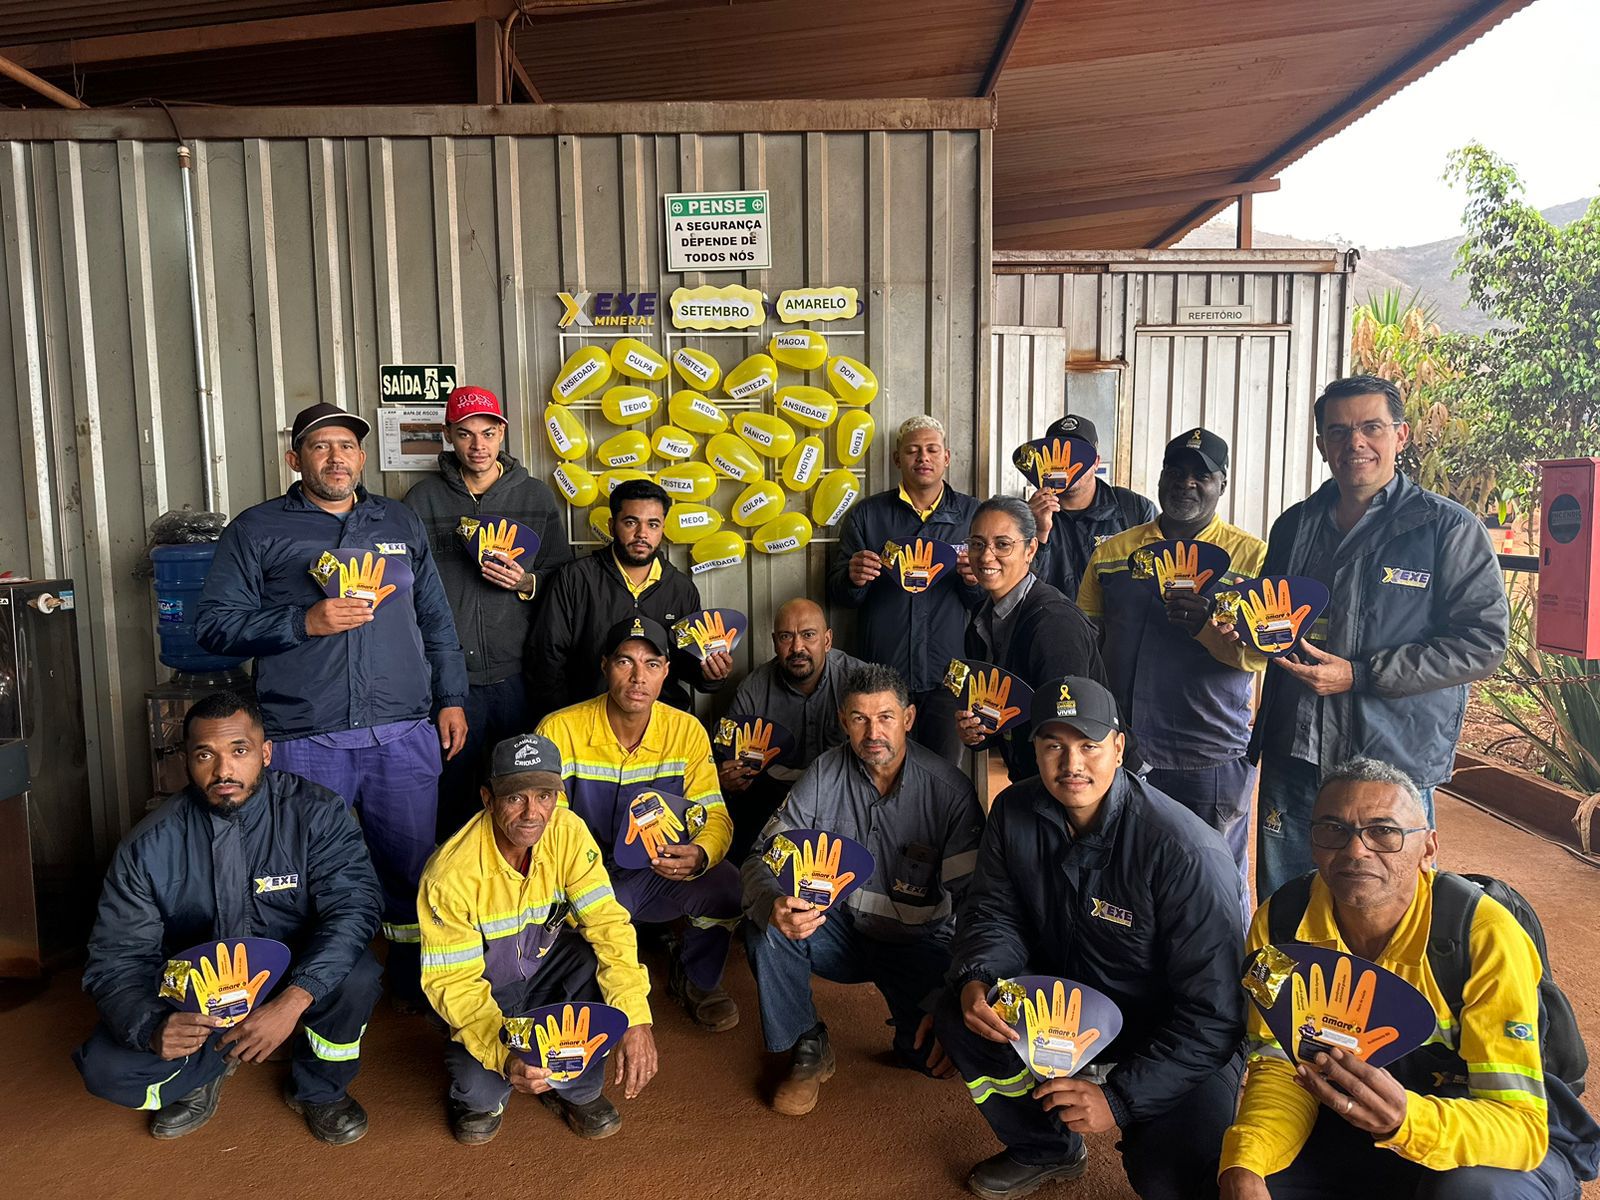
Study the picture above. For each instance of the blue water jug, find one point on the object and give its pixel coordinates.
(180, 574)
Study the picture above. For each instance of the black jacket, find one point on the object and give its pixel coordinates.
(917, 634)
(1073, 536)
(300, 874)
(1048, 636)
(493, 623)
(1144, 907)
(583, 600)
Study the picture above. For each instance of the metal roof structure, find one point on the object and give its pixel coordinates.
(1121, 123)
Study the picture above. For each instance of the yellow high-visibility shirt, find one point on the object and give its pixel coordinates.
(651, 578)
(922, 513)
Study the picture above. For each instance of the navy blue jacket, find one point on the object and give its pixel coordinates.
(405, 664)
(298, 872)
(1143, 907)
(1074, 535)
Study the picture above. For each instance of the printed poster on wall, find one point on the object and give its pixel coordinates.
(410, 436)
(718, 231)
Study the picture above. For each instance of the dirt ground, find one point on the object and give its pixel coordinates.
(702, 1128)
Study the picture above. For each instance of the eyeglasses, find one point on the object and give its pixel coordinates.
(1002, 547)
(1381, 838)
(1370, 430)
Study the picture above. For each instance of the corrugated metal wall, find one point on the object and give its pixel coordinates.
(1058, 318)
(322, 257)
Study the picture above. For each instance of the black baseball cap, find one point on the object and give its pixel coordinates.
(317, 415)
(524, 754)
(641, 628)
(1079, 702)
(1073, 425)
(1213, 451)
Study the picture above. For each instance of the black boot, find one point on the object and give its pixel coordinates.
(339, 1122)
(474, 1128)
(598, 1118)
(187, 1113)
(1004, 1178)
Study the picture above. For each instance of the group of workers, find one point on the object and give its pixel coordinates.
(490, 724)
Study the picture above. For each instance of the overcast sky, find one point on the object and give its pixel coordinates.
(1529, 90)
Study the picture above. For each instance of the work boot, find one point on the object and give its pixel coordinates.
(1004, 1178)
(339, 1122)
(474, 1128)
(598, 1118)
(710, 1009)
(187, 1113)
(811, 1066)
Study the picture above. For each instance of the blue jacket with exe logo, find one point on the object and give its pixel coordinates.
(404, 664)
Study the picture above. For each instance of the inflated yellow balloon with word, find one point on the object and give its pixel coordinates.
(692, 411)
(577, 485)
(628, 404)
(754, 377)
(729, 456)
(853, 435)
(567, 436)
(636, 360)
(696, 368)
(802, 349)
(768, 436)
(810, 406)
(835, 494)
(717, 550)
(803, 467)
(688, 523)
(610, 481)
(584, 373)
(759, 502)
(600, 523)
(852, 380)
(628, 449)
(783, 535)
(687, 481)
(673, 444)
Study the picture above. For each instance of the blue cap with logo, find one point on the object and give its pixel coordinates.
(523, 755)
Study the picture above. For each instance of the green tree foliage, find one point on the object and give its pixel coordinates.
(1529, 388)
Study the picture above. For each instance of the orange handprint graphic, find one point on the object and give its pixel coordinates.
(752, 746)
(988, 698)
(916, 565)
(1273, 622)
(817, 877)
(226, 988)
(499, 540)
(566, 1049)
(364, 582)
(1055, 1044)
(1055, 465)
(1178, 569)
(1324, 1019)
(708, 632)
(652, 823)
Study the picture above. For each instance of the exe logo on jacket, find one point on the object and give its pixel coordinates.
(276, 883)
(391, 547)
(1107, 911)
(587, 309)
(1405, 577)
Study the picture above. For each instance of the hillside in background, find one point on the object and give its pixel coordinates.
(1427, 267)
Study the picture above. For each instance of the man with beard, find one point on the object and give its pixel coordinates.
(493, 600)
(630, 577)
(243, 851)
(1089, 873)
(800, 688)
(1186, 689)
(524, 856)
(360, 693)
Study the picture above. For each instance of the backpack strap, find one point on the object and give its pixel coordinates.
(1455, 904)
(1287, 907)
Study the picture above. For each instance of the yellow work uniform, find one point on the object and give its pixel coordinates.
(1501, 1121)
(486, 927)
(651, 578)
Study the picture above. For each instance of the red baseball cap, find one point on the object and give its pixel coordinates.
(467, 402)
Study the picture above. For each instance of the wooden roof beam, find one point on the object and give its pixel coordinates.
(1002, 51)
(45, 88)
(1115, 204)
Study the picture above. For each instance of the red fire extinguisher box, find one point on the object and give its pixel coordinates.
(1567, 620)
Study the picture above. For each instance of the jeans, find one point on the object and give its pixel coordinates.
(1220, 796)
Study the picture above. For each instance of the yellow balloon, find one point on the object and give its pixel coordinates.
(759, 502)
(627, 449)
(811, 406)
(696, 368)
(688, 523)
(783, 535)
(671, 443)
(729, 456)
(628, 404)
(852, 379)
(567, 436)
(687, 481)
(577, 485)
(751, 378)
(803, 349)
(724, 549)
(584, 372)
(692, 411)
(853, 436)
(636, 360)
(768, 436)
(600, 523)
(610, 481)
(803, 467)
(835, 494)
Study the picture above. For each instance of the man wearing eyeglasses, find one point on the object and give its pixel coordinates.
(1418, 613)
(1477, 1112)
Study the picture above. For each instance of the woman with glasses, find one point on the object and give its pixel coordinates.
(1023, 625)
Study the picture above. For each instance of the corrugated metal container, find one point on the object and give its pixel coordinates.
(1151, 343)
(333, 241)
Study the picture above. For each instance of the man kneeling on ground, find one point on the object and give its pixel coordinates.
(494, 902)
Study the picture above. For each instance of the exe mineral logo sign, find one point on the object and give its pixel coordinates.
(586, 310)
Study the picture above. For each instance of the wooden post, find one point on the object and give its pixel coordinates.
(1247, 233)
(490, 77)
